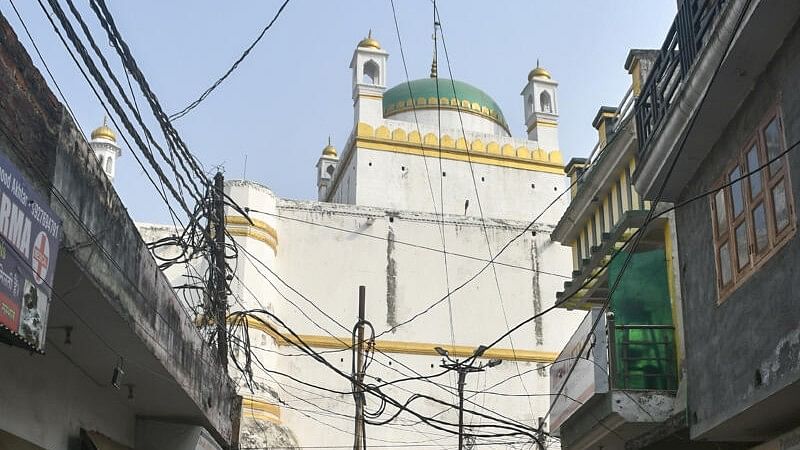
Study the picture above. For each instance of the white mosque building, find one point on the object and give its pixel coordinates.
(428, 187)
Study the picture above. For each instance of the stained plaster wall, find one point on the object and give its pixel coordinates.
(757, 328)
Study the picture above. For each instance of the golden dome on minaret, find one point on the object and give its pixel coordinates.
(330, 150)
(369, 42)
(539, 71)
(105, 132)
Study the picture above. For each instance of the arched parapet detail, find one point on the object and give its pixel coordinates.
(422, 101)
(382, 132)
(539, 155)
(364, 130)
(507, 152)
(399, 134)
(447, 141)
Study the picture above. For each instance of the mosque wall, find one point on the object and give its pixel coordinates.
(325, 251)
(410, 182)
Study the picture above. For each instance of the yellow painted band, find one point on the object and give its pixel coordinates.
(376, 97)
(261, 410)
(254, 234)
(259, 230)
(259, 224)
(408, 348)
(543, 123)
(454, 154)
(446, 103)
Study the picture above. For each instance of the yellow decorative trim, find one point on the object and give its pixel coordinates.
(543, 123)
(372, 96)
(261, 410)
(260, 224)
(491, 153)
(259, 230)
(445, 103)
(408, 348)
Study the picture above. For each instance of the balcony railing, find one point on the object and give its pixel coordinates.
(686, 37)
(621, 358)
(642, 357)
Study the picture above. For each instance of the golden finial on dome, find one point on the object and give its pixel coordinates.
(369, 42)
(539, 71)
(329, 150)
(105, 132)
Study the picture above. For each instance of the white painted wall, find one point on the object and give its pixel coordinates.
(450, 119)
(327, 266)
(402, 181)
(107, 153)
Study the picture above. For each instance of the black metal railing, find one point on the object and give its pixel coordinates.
(686, 37)
(642, 357)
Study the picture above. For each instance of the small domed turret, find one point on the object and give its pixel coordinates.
(329, 150)
(369, 42)
(538, 72)
(104, 132)
(326, 167)
(104, 144)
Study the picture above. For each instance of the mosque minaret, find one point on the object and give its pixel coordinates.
(104, 144)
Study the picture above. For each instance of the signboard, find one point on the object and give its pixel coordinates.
(590, 375)
(29, 239)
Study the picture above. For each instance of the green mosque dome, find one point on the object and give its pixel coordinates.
(422, 94)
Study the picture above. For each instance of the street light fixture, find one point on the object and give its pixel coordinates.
(463, 368)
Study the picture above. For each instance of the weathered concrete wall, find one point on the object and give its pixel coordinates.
(327, 250)
(756, 329)
(41, 139)
(31, 396)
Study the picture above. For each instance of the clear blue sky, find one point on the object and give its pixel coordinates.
(294, 89)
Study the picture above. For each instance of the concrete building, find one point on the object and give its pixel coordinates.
(625, 383)
(721, 102)
(100, 353)
(429, 187)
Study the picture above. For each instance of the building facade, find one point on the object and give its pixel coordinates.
(97, 350)
(716, 138)
(619, 374)
(430, 187)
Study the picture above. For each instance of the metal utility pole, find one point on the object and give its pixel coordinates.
(360, 439)
(218, 274)
(463, 368)
(540, 434)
